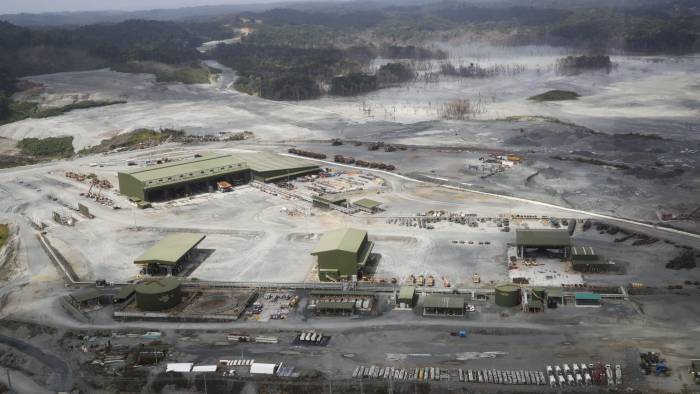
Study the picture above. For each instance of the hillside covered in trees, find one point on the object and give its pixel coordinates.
(298, 53)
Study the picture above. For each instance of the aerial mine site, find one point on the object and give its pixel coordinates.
(466, 196)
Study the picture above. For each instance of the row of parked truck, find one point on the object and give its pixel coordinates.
(463, 375)
(582, 374)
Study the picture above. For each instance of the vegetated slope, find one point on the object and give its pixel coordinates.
(555, 95)
(13, 111)
(51, 147)
(132, 139)
(4, 234)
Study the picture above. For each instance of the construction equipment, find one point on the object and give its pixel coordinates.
(476, 278)
(652, 362)
(224, 186)
(430, 282)
(662, 369)
(598, 374)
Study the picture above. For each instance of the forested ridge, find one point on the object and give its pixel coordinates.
(303, 53)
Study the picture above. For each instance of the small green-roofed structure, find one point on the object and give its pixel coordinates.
(588, 296)
(170, 252)
(407, 295)
(326, 200)
(341, 253)
(344, 308)
(587, 299)
(443, 305)
(367, 204)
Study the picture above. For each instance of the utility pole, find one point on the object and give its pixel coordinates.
(9, 381)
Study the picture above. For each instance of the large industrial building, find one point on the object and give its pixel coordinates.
(200, 174)
(169, 255)
(529, 241)
(342, 253)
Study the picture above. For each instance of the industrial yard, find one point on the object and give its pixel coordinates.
(247, 264)
(358, 243)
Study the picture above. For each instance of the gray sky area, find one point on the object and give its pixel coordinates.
(36, 6)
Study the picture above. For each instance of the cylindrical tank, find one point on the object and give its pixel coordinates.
(507, 295)
(539, 292)
(159, 294)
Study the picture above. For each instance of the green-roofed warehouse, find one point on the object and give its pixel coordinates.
(169, 254)
(342, 253)
(200, 174)
(181, 178)
(542, 239)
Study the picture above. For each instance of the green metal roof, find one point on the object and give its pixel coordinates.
(85, 295)
(157, 286)
(187, 170)
(587, 296)
(542, 238)
(407, 292)
(342, 293)
(346, 239)
(367, 203)
(266, 162)
(212, 164)
(447, 301)
(170, 249)
(345, 305)
(555, 292)
(329, 199)
(290, 174)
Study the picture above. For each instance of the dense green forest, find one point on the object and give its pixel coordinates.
(281, 72)
(26, 51)
(661, 27)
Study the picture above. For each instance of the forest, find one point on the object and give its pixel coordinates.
(293, 52)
